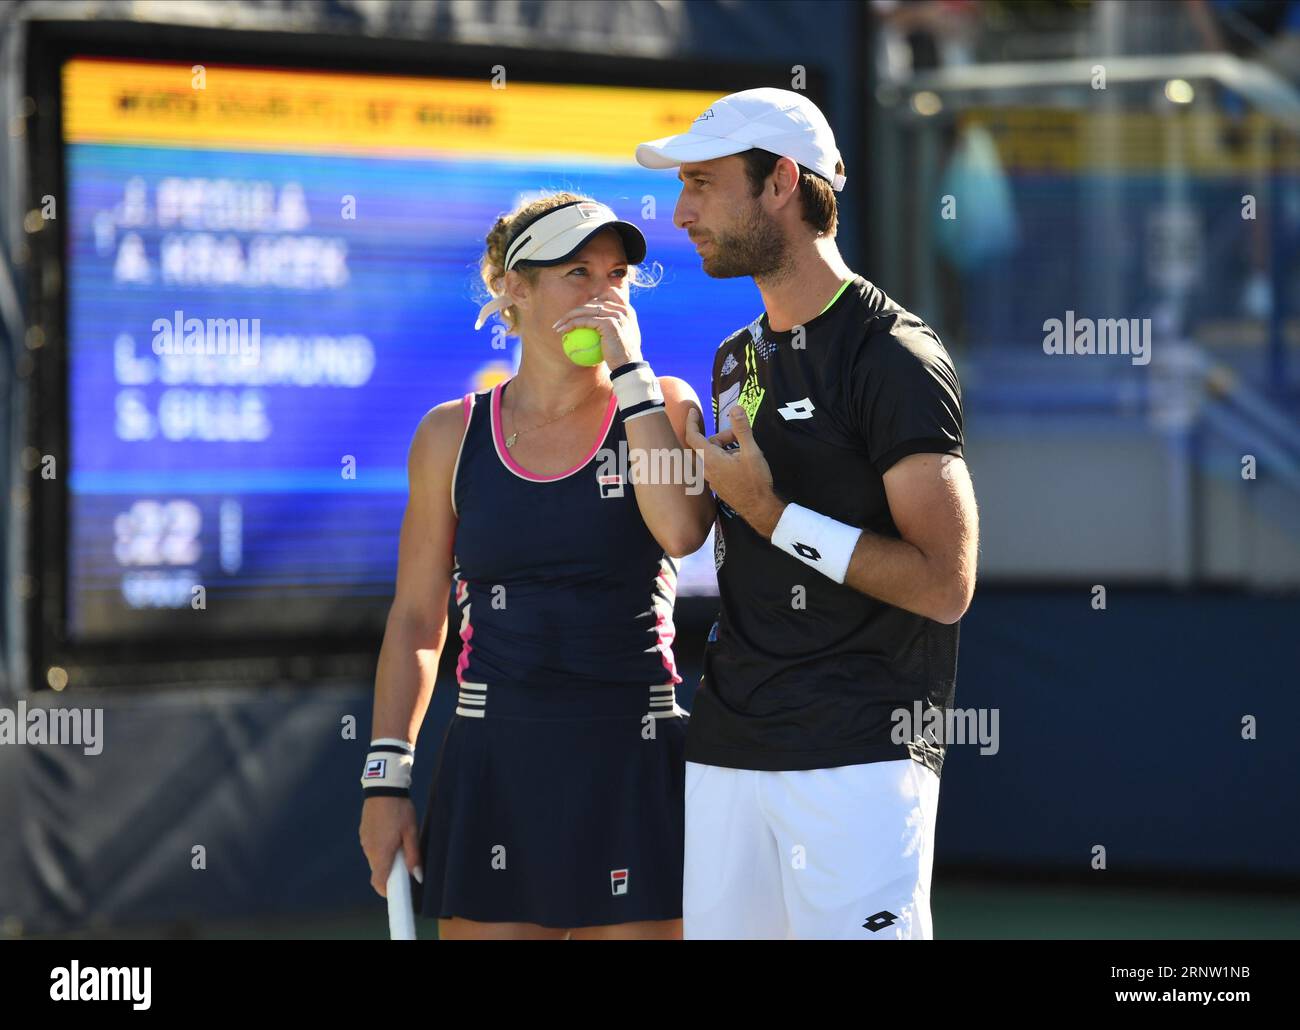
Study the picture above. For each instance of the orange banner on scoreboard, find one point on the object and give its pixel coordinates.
(217, 106)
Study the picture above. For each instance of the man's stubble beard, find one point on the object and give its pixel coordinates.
(756, 247)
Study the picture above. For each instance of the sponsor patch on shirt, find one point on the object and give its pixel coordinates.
(726, 402)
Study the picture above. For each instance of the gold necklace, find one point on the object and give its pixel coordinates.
(510, 440)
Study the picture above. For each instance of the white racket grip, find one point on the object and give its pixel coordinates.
(401, 915)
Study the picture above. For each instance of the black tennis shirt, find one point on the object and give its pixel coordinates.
(801, 672)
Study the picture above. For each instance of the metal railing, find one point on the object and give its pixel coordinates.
(1188, 398)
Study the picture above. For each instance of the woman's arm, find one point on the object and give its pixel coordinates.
(417, 621)
(416, 629)
(676, 503)
(668, 476)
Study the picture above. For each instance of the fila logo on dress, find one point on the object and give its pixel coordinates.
(796, 409)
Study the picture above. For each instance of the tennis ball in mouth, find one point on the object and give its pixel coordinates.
(582, 345)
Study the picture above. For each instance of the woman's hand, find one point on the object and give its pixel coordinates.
(388, 831)
(612, 316)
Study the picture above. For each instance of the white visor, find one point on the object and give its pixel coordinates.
(558, 235)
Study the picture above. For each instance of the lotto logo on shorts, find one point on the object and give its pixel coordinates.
(618, 881)
(879, 921)
(610, 486)
(375, 768)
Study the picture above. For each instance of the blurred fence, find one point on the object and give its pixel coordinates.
(1158, 200)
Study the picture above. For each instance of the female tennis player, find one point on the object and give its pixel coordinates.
(556, 808)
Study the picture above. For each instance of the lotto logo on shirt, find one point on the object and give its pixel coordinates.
(618, 881)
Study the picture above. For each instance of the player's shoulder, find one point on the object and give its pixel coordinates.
(890, 335)
(442, 417)
(440, 431)
(743, 335)
(729, 354)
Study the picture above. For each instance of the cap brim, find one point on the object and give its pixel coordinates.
(671, 151)
(567, 244)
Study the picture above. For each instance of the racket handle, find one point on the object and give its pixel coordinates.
(401, 915)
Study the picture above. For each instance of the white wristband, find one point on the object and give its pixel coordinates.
(388, 768)
(816, 540)
(637, 389)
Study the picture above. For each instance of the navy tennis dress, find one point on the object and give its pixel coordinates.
(558, 795)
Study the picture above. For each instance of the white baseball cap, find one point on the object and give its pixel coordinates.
(777, 120)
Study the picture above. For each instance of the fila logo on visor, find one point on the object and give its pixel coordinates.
(589, 210)
(797, 409)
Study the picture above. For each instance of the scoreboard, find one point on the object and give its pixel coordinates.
(271, 275)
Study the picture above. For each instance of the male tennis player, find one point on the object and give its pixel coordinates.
(845, 544)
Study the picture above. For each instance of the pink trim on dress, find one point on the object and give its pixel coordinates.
(665, 639)
(666, 645)
(466, 630)
(499, 440)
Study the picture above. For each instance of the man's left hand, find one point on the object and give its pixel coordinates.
(740, 477)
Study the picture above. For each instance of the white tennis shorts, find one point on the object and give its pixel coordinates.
(841, 854)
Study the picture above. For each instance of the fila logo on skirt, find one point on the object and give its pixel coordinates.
(618, 881)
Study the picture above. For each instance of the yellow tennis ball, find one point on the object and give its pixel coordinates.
(582, 345)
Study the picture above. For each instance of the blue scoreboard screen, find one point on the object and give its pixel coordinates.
(271, 277)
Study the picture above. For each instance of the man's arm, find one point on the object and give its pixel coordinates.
(929, 571)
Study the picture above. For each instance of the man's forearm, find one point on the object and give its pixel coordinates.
(899, 573)
(886, 568)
